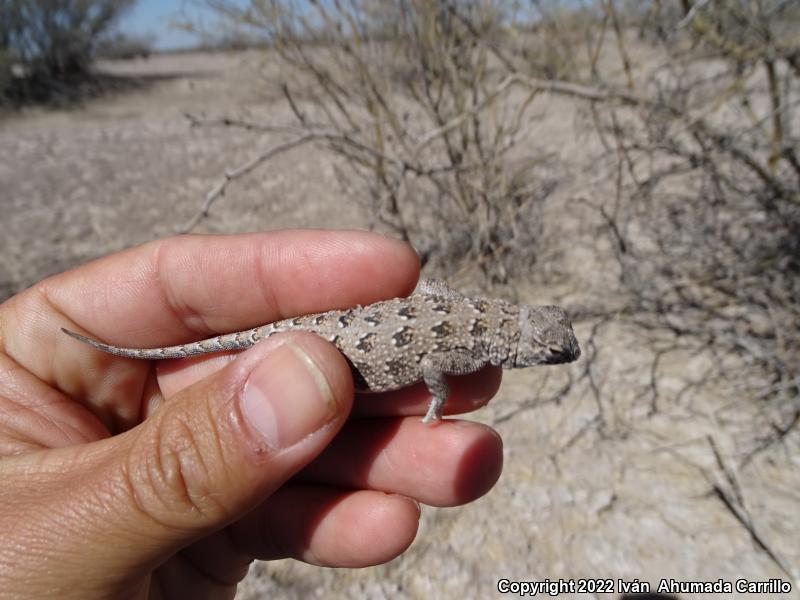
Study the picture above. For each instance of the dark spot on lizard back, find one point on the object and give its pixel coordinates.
(407, 312)
(480, 305)
(478, 328)
(443, 329)
(403, 337)
(366, 342)
(442, 308)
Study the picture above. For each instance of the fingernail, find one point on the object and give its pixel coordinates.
(287, 398)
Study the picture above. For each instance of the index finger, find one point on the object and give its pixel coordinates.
(184, 288)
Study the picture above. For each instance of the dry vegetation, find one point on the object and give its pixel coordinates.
(47, 47)
(431, 107)
(636, 162)
(429, 104)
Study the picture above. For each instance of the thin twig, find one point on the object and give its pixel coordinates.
(219, 189)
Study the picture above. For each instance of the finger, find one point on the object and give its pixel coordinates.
(187, 288)
(322, 524)
(449, 464)
(179, 578)
(328, 527)
(183, 287)
(198, 463)
(174, 375)
(35, 416)
(316, 524)
(467, 393)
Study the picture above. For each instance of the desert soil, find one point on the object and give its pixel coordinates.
(606, 488)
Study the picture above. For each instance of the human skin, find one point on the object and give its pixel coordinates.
(135, 479)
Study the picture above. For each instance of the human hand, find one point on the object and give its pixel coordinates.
(123, 478)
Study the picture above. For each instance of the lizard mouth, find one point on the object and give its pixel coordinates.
(556, 355)
(564, 354)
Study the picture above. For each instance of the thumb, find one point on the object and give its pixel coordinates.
(206, 457)
(221, 446)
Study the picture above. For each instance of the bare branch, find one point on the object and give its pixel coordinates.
(235, 173)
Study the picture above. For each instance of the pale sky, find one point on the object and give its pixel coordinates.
(154, 16)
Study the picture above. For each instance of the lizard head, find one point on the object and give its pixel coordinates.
(546, 337)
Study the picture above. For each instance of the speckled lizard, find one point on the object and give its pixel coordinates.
(436, 331)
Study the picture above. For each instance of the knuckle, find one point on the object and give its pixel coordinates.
(173, 472)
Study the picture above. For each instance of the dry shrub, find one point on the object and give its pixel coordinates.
(428, 103)
(123, 46)
(706, 215)
(46, 46)
(415, 97)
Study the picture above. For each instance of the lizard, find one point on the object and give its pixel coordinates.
(391, 344)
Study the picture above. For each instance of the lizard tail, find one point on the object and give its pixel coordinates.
(232, 341)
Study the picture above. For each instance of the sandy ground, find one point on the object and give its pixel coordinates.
(590, 489)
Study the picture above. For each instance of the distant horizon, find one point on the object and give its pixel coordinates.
(154, 17)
